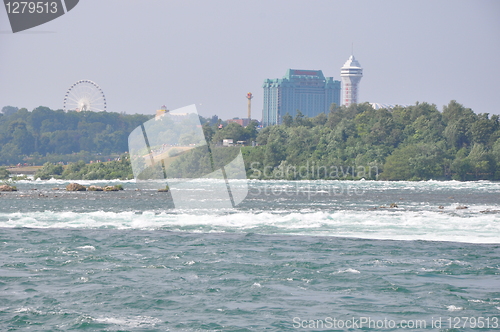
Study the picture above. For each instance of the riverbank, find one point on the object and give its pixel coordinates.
(24, 170)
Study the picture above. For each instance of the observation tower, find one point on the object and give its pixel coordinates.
(351, 73)
(249, 97)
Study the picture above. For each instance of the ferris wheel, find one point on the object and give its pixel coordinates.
(85, 95)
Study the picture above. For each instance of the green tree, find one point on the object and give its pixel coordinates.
(287, 120)
(458, 121)
(36, 119)
(208, 131)
(457, 134)
(345, 129)
(275, 151)
(461, 165)
(251, 131)
(416, 162)
(263, 136)
(483, 129)
(300, 119)
(9, 110)
(10, 154)
(319, 120)
(335, 115)
(481, 162)
(48, 171)
(4, 173)
(232, 131)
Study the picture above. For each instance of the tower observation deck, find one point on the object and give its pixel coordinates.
(351, 73)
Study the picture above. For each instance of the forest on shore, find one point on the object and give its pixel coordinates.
(404, 143)
(45, 135)
(416, 142)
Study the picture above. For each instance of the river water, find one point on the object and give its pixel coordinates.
(294, 255)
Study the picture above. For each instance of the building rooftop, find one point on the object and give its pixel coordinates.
(387, 106)
(351, 63)
(308, 74)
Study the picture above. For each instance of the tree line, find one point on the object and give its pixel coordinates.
(404, 143)
(42, 133)
(416, 142)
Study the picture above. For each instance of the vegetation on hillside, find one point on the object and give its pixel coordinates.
(29, 136)
(405, 143)
(117, 169)
(4, 173)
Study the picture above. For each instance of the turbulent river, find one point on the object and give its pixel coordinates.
(294, 255)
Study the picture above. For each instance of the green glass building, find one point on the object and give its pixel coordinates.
(306, 90)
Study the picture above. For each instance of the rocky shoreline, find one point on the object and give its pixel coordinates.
(79, 187)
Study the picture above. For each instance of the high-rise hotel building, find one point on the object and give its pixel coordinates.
(306, 90)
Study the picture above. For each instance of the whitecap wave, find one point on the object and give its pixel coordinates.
(454, 308)
(131, 322)
(380, 224)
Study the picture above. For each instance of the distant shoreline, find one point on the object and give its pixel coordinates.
(262, 180)
(27, 170)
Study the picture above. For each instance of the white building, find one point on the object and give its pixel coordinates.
(351, 73)
(378, 106)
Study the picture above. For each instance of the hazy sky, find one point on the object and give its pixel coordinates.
(152, 52)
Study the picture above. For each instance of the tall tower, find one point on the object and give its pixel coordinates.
(249, 97)
(351, 74)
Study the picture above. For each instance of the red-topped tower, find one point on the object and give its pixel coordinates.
(249, 97)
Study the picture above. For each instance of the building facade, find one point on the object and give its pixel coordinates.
(308, 91)
(241, 122)
(351, 74)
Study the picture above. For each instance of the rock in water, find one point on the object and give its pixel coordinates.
(75, 187)
(94, 188)
(110, 188)
(6, 187)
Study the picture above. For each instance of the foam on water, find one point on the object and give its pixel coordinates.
(82, 182)
(454, 308)
(349, 270)
(383, 185)
(427, 209)
(470, 226)
(130, 322)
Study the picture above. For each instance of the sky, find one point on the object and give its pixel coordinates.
(149, 53)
